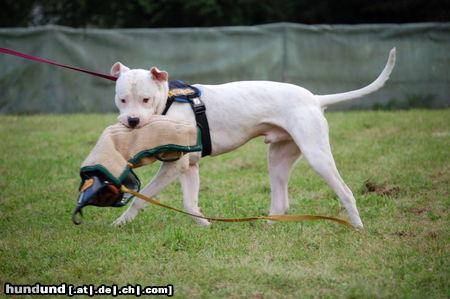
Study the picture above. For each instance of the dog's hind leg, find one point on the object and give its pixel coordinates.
(190, 184)
(310, 133)
(167, 173)
(282, 157)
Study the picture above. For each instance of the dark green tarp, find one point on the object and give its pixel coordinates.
(324, 59)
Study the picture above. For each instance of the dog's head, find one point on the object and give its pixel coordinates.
(139, 94)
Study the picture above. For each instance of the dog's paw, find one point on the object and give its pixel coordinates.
(203, 222)
(118, 222)
(126, 217)
(359, 227)
(357, 223)
(198, 211)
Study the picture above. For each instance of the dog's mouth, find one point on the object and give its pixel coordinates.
(126, 124)
(134, 125)
(130, 127)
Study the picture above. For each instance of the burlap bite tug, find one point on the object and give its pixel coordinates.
(120, 149)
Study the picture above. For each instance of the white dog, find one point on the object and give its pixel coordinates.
(289, 117)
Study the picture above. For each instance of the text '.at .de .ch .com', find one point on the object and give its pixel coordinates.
(89, 290)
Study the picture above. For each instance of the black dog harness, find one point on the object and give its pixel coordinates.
(181, 92)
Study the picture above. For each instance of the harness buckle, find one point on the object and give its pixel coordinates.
(198, 105)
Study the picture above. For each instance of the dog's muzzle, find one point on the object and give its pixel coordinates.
(97, 190)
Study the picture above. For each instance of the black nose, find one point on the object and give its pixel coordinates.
(133, 121)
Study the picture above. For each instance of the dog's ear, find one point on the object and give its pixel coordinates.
(117, 69)
(159, 75)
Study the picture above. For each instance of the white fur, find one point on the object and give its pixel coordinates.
(289, 117)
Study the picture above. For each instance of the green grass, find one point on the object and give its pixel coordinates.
(404, 251)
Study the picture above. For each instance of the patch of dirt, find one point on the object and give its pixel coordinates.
(432, 235)
(403, 234)
(380, 189)
(419, 211)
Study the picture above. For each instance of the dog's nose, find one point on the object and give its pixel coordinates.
(133, 121)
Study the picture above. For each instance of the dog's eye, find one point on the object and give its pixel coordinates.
(145, 100)
(123, 101)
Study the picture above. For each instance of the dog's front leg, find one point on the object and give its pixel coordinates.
(167, 173)
(190, 183)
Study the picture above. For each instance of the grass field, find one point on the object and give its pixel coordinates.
(404, 251)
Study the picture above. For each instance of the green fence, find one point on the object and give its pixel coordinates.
(324, 59)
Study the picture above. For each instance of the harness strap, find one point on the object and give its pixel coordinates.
(273, 218)
(202, 121)
(168, 104)
(181, 92)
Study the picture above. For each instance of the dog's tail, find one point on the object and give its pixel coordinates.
(330, 99)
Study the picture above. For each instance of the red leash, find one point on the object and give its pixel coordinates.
(11, 52)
